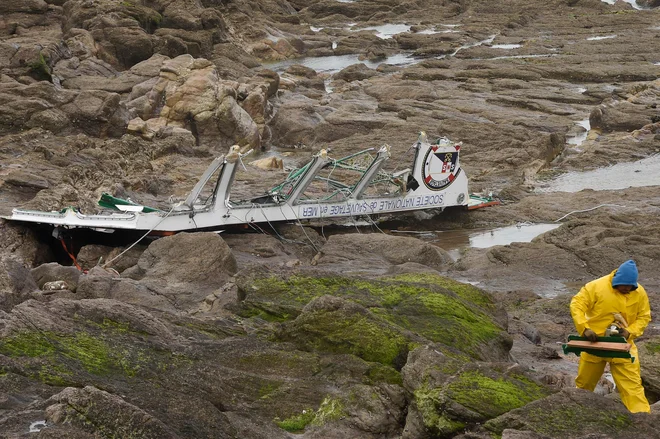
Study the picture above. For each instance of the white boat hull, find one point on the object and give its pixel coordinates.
(437, 182)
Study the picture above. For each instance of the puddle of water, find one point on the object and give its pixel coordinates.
(577, 140)
(455, 241)
(506, 46)
(604, 37)
(507, 235)
(37, 426)
(633, 3)
(333, 64)
(387, 31)
(645, 172)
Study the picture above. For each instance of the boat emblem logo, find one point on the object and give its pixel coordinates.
(440, 167)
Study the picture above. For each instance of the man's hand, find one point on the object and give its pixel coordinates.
(623, 332)
(590, 335)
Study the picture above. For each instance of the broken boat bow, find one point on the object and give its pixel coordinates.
(435, 181)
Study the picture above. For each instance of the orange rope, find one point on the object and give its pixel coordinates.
(73, 258)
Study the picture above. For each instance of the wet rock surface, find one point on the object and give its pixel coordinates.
(563, 415)
(315, 330)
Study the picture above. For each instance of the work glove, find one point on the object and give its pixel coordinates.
(623, 333)
(590, 335)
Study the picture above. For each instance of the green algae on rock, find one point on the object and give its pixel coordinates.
(435, 308)
(490, 396)
(384, 374)
(332, 324)
(92, 353)
(577, 413)
(465, 291)
(296, 423)
(429, 402)
(330, 409)
(474, 395)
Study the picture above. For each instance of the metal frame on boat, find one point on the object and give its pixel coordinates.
(435, 181)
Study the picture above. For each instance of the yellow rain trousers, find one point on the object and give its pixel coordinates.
(594, 308)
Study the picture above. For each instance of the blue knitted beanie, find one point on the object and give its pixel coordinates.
(626, 274)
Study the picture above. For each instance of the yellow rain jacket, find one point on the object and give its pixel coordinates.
(597, 302)
(594, 308)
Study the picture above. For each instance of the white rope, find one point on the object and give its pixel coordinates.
(587, 210)
(327, 182)
(141, 238)
(316, 249)
(250, 224)
(373, 223)
(280, 237)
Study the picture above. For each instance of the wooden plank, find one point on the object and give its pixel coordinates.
(600, 345)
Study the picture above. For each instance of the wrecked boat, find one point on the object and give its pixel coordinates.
(312, 192)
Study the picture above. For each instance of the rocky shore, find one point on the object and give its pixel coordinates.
(323, 330)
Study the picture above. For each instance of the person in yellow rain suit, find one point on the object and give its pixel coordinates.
(593, 310)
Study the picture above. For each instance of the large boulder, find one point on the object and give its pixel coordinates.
(122, 348)
(16, 284)
(261, 246)
(649, 3)
(613, 115)
(99, 314)
(98, 113)
(95, 112)
(333, 324)
(355, 72)
(29, 6)
(53, 271)
(185, 267)
(519, 265)
(95, 254)
(577, 413)
(218, 382)
(21, 102)
(378, 413)
(87, 72)
(461, 317)
(93, 409)
(449, 395)
(120, 30)
(190, 94)
(101, 284)
(376, 250)
(297, 121)
(295, 246)
(23, 244)
(127, 45)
